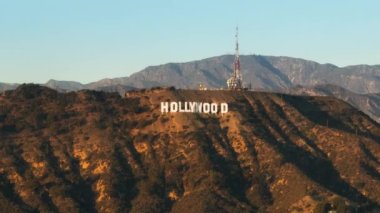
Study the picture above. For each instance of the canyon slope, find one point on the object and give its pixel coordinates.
(92, 151)
(367, 103)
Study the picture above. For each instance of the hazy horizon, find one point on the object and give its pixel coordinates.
(113, 77)
(88, 41)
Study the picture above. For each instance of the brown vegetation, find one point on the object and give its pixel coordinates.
(91, 151)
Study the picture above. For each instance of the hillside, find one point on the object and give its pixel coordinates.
(367, 103)
(91, 151)
(358, 85)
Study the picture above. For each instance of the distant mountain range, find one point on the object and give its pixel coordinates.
(356, 85)
(6, 86)
(263, 72)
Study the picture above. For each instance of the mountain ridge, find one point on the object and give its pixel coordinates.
(264, 72)
(94, 151)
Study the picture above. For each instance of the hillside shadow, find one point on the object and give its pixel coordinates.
(320, 170)
(125, 182)
(80, 191)
(232, 179)
(295, 130)
(368, 153)
(24, 169)
(265, 63)
(7, 189)
(314, 113)
(236, 179)
(370, 170)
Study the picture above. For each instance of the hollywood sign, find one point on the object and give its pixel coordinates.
(194, 107)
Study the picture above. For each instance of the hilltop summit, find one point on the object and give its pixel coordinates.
(93, 151)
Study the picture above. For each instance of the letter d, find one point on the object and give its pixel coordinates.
(223, 108)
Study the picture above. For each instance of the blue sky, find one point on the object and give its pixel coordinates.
(87, 40)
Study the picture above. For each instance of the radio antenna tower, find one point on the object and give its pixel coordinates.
(235, 82)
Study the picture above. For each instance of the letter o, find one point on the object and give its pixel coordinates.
(214, 108)
(173, 107)
(206, 108)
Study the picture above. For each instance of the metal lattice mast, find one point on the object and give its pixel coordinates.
(237, 60)
(235, 82)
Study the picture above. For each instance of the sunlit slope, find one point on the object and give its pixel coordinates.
(91, 151)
